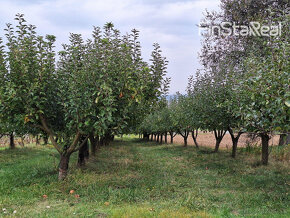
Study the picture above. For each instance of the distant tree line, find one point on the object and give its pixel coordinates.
(243, 85)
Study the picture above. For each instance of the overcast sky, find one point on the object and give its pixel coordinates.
(171, 23)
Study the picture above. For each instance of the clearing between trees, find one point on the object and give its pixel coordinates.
(133, 178)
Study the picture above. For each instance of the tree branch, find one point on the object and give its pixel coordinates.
(49, 132)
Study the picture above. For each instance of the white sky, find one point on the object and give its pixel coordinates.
(171, 23)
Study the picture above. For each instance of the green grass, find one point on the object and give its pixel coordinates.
(131, 178)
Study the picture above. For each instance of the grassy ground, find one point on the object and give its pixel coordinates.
(131, 178)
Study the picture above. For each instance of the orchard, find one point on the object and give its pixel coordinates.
(77, 112)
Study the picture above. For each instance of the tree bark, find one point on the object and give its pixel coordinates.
(107, 139)
(265, 148)
(284, 139)
(185, 136)
(165, 138)
(217, 144)
(146, 136)
(219, 134)
(235, 141)
(12, 143)
(194, 137)
(185, 141)
(161, 138)
(288, 139)
(83, 152)
(101, 141)
(94, 143)
(45, 139)
(37, 140)
(235, 145)
(63, 166)
(172, 135)
(157, 138)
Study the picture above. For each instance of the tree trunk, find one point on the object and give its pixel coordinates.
(12, 143)
(146, 136)
(154, 137)
(217, 144)
(107, 139)
(165, 139)
(288, 139)
(37, 140)
(265, 148)
(87, 151)
(81, 158)
(22, 141)
(63, 166)
(284, 139)
(151, 139)
(172, 135)
(194, 137)
(219, 134)
(94, 143)
(161, 138)
(185, 141)
(102, 141)
(235, 145)
(45, 139)
(93, 148)
(235, 141)
(195, 142)
(157, 138)
(83, 153)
